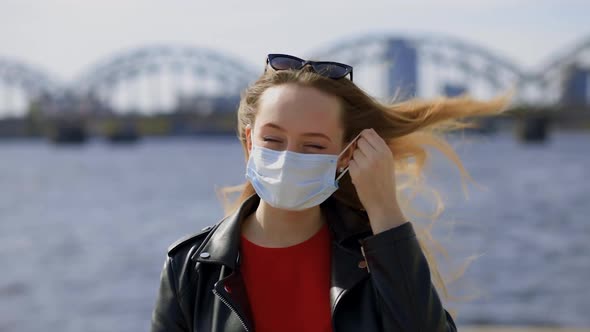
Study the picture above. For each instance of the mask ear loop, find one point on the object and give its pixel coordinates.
(346, 148)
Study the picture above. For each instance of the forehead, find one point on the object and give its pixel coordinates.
(298, 108)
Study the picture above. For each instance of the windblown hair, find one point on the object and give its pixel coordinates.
(408, 127)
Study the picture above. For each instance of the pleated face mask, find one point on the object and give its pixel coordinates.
(293, 181)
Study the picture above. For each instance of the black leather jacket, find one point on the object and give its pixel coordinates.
(201, 288)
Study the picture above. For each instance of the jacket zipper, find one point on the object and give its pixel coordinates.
(365, 257)
(231, 308)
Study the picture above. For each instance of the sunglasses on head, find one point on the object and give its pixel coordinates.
(329, 69)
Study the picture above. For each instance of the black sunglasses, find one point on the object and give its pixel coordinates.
(329, 69)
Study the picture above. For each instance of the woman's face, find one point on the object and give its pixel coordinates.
(299, 119)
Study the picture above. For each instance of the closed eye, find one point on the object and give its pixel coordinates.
(270, 140)
(319, 147)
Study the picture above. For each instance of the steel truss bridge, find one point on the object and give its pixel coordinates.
(162, 78)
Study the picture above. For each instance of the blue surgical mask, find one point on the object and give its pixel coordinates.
(293, 181)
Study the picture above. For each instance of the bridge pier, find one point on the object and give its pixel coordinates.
(533, 128)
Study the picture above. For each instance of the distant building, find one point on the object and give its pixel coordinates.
(576, 87)
(453, 90)
(402, 77)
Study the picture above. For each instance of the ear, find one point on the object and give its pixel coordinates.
(345, 158)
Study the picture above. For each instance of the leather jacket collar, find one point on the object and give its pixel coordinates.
(344, 223)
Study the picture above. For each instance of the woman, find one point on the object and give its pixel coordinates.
(317, 240)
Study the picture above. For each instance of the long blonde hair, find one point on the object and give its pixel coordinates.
(408, 127)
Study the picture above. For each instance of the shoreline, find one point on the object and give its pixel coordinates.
(491, 328)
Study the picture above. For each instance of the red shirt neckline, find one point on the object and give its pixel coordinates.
(319, 234)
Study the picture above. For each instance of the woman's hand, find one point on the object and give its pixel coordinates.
(372, 172)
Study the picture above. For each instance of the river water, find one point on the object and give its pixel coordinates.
(84, 229)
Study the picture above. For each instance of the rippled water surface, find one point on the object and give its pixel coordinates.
(84, 230)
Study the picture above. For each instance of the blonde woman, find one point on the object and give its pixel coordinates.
(317, 240)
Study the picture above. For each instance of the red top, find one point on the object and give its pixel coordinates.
(289, 288)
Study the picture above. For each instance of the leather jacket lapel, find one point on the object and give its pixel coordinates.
(348, 226)
(345, 273)
(223, 245)
(232, 291)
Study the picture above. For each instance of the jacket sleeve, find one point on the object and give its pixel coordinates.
(167, 314)
(401, 280)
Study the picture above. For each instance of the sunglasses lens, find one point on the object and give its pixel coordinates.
(331, 70)
(283, 63)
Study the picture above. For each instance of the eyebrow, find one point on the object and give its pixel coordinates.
(276, 126)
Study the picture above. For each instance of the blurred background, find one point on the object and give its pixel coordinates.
(117, 123)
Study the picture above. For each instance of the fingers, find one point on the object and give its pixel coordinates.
(360, 157)
(370, 148)
(371, 144)
(375, 140)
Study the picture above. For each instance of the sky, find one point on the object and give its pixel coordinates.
(65, 37)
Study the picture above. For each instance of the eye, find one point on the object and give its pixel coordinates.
(266, 139)
(319, 147)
